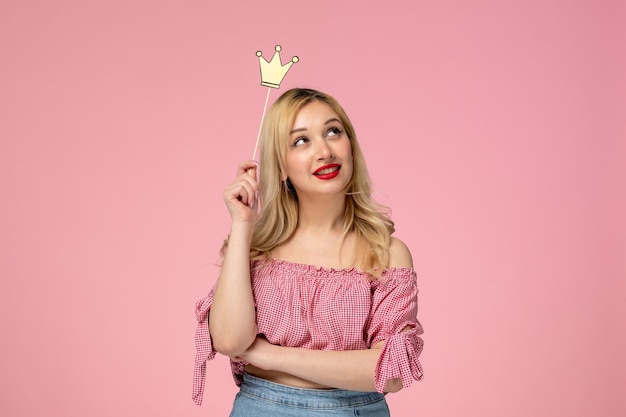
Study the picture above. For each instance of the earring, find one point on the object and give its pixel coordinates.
(291, 189)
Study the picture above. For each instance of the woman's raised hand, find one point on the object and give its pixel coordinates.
(241, 194)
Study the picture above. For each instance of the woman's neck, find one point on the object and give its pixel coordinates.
(319, 237)
(321, 215)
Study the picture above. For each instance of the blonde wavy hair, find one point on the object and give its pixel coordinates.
(369, 221)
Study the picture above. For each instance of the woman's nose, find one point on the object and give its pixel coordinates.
(323, 150)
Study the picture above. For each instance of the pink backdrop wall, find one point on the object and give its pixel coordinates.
(494, 129)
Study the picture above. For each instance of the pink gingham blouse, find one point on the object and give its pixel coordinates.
(328, 309)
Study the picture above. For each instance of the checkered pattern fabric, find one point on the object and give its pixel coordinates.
(328, 309)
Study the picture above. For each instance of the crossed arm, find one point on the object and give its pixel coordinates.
(347, 369)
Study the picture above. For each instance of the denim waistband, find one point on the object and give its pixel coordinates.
(305, 397)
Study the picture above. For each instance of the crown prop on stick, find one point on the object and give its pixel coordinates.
(272, 74)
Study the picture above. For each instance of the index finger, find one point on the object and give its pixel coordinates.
(247, 166)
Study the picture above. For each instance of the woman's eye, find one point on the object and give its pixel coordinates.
(300, 141)
(334, 131)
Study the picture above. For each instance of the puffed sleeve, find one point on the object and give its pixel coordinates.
(394, 307)
(204, 347)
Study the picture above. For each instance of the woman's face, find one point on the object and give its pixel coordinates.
(319, 154)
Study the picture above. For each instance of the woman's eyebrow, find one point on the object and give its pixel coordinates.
(302, 129)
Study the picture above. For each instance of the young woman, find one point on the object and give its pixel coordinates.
(316, 303)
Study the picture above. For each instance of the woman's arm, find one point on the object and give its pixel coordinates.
(348, 369)
(232, 322)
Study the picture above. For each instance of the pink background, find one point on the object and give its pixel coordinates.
(494, 129)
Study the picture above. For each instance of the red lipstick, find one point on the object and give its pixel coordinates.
(327, 172)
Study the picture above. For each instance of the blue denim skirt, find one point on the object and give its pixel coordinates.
(262, 398)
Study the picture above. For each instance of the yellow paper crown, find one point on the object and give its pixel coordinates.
(273, 72)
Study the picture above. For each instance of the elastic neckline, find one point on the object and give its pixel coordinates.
(285, 264)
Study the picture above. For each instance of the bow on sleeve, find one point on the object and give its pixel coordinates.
(204, 347)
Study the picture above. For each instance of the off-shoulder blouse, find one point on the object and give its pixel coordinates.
(311, 307)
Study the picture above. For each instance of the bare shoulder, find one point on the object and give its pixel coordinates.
(399, 254)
